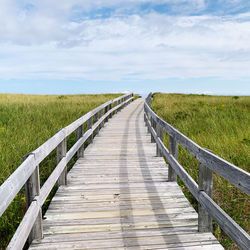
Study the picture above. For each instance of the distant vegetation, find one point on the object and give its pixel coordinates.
(218, 123)
(27, 121)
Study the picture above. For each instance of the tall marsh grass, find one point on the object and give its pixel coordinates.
(27, 121)
(221, 124)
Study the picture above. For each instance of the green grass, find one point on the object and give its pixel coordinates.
(27, 121)
(218, 123)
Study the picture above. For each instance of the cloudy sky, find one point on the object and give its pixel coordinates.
(86, 46)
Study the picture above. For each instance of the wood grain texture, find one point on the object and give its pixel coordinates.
(118, 196)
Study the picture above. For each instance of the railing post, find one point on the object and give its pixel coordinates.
(173, 150)
(89, 126)
(110, 107)
(105, 111)
(61, 152)
(32, 189)
(153, 126)
(101, 114)
(79, 133)
(116, 103)
(119, 102)
(149, 119)
(159, 132)
(206, 185)
(145, 115)
(95, 120)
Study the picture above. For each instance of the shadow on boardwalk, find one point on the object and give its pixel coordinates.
(126, 215)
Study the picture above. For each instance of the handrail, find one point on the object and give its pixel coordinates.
(208, 162)
(28, 172)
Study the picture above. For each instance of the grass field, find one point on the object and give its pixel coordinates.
(27, 121)
(218, 123)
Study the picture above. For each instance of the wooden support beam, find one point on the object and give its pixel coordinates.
(96, 117)
(206, 185)
(159, 132)
(105, 111)
(148, 124)
(32, 189)
(173, 150)
(79, 133)
(153, 126)
(89, 126)
(61, 152)
(116, 103)
(110, 107)
(101, 114)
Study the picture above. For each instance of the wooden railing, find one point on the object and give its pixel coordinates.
(28, 172)
(208, 163)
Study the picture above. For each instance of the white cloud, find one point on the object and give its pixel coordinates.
(43, 43)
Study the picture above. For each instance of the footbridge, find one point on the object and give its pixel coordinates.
(122, 191)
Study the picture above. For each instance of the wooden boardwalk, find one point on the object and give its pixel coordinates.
(118, 196)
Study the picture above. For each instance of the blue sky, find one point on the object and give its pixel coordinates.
(86, 46)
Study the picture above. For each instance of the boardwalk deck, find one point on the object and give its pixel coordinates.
(118, 196)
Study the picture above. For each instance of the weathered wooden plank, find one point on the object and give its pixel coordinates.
(181, 240)
(64, 215)
(165, 201)
(111, 196)
(81, 192)
(116, 197)
(123, 168)
(177, 240)
(116, 234)
(117, 180)
(203, 246)
(161, 187)
(125, 185)
(132, 177)
(57, 229)
(136, 187)
(126, 219)
(93, 207)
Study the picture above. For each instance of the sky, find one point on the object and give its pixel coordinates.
(100, 46)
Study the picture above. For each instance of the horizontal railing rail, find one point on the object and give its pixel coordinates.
(208, 163)
(28, 172)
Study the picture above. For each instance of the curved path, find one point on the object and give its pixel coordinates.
(118, 196)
